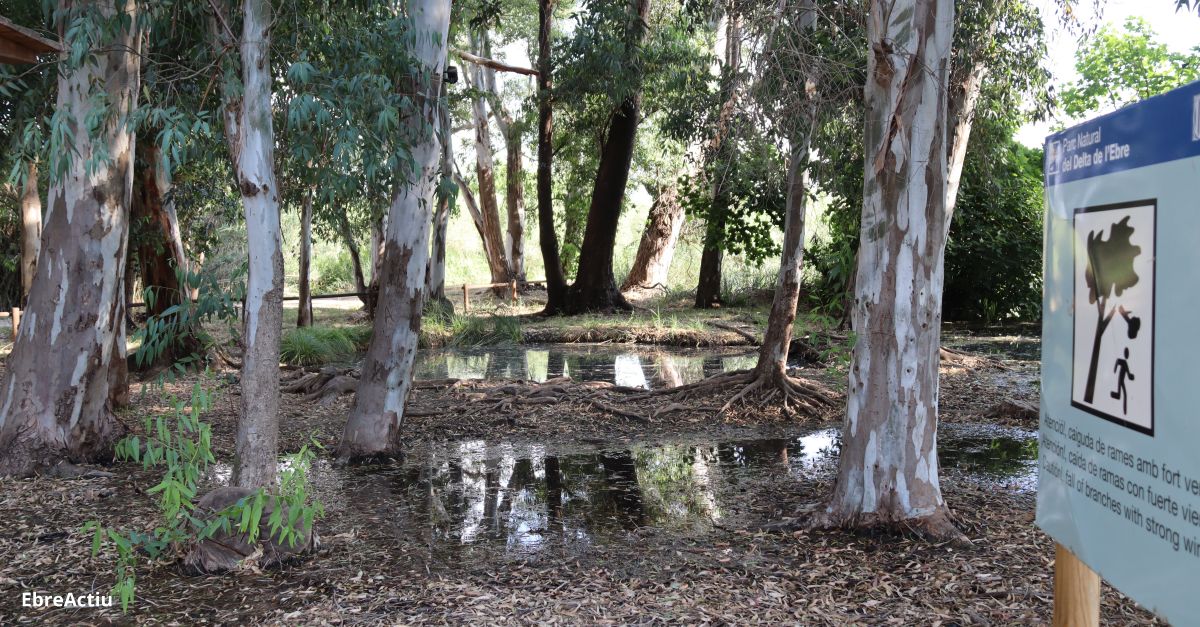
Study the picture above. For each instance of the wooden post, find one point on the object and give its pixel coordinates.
(512, 286)
(1076, 591)
(16, 320)
(466, 299)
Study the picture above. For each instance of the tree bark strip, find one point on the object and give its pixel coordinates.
(54, 394)
(373, 428)
(888, 470)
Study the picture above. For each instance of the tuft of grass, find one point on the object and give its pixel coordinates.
(310, 346)
(482, 331)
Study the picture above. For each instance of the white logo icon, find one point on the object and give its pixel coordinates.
(1196, 118)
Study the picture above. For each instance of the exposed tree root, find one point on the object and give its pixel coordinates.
(955, 357)
(753, 339)
(796, 394)
(323, 386)
(936, 527)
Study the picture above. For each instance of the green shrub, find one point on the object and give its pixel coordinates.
(308, 346)
(334, 273)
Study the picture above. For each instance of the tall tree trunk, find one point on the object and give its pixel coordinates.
(159, 245)
(962, 101)
(304, 313)
(54, 394)
(888, 470)
(514, 189)
(514, 197)
(251, 139)
(657, 246)
(31, 229)
(595, 287)
(485, 171)
(773, 354)
(373, 428)
(435, 280)
(708, 286)
(721, 152)
(556, 281)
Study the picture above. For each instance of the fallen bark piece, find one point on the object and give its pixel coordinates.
(1014, 410)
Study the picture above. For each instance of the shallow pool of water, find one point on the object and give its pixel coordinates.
(526, 497)
(633, 366)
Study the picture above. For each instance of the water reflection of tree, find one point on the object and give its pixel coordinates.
(621, 493)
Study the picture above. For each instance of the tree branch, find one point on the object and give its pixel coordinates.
(493, 64)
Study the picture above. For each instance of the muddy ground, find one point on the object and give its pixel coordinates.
(462, 530)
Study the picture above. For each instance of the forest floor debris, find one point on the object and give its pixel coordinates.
(377, 565)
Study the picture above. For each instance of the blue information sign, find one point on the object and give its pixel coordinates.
(1120, 422)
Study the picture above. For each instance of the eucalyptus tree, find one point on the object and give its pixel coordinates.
(621, 64)
(373, 428)
(54, 394)
(246, 93)
(888, 467)
(595, 288)
(800, 81)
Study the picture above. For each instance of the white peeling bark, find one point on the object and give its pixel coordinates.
(888, 471)
(31, 229)
(251, 139)
(54, 393)
(373, 428)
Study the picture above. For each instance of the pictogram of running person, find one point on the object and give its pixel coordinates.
(1123, 372)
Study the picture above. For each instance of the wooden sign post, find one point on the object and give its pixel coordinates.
(1076, 591)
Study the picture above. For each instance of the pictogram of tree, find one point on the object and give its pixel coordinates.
(1109, 273)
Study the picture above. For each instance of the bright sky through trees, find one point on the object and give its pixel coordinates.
(1180, 31)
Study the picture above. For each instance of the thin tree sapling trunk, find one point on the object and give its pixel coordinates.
(373, 428)
(54, 393)
(304, 313)
(888, 468)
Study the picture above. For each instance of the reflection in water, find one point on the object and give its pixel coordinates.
(523, 498)
(628, 366)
